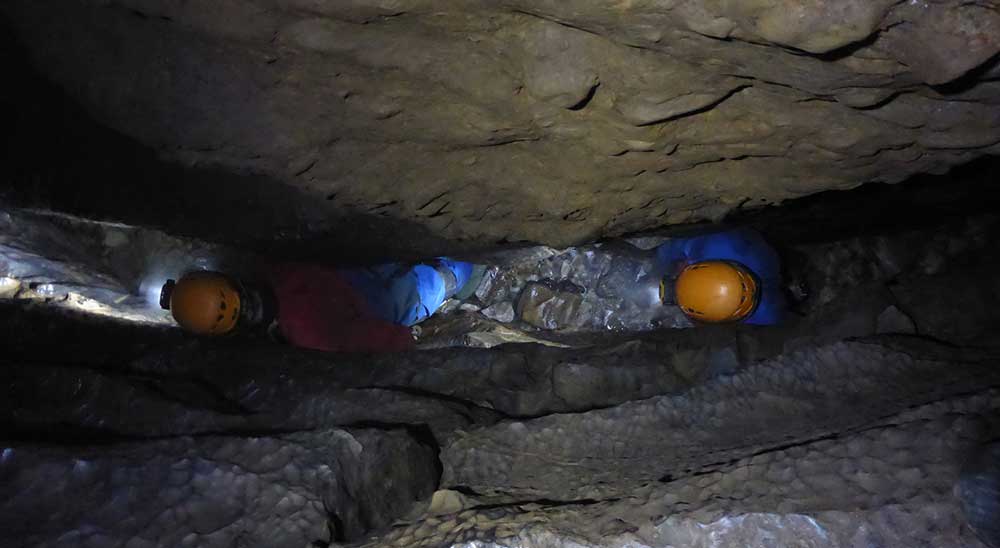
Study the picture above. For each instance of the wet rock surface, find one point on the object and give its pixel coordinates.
(108, 269)
(875, 283)
(885, 282)
(465, 124)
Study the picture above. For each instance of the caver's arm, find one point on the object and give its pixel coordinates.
(408, 295)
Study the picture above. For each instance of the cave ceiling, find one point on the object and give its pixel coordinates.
(534, 120)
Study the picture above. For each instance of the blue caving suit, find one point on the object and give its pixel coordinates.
(408, 294)
(741, 245)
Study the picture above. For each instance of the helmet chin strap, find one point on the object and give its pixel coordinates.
(667, 295)
(165, 292)
(252, 313)
(258, 307)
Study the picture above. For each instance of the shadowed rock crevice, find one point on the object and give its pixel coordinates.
(561, 404)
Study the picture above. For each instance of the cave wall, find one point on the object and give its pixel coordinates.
(268, 490)
(891, 483)
(860, 439)
(496, 122)
(555, 122)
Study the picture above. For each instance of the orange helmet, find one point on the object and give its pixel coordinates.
(206, 303)
(716, 291)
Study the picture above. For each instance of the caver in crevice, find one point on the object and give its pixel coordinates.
(320, 307)
(725, 276)
(720, 277)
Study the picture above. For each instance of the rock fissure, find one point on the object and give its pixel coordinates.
(561, 403)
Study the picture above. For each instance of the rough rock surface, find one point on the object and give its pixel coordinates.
(202, 389)
(219, 491)
(977, 489)
(551, 121)
(889, 484)
(794, 398)
(888, 282)
(673, 437)
(855, 438)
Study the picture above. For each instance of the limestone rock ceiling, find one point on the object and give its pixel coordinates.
(550, 121)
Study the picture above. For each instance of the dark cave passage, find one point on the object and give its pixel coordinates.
(914, 261)
(533, 162)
